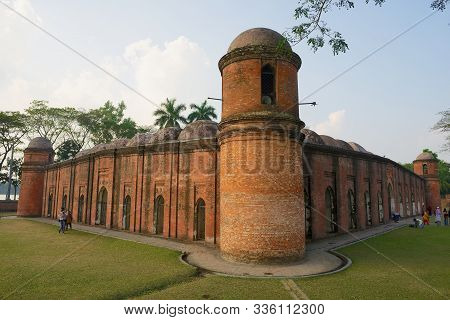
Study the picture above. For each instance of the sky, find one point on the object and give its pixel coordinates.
(387, 103)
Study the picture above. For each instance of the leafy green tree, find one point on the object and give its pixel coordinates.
(16, 174)
(107, 123)
(201, 112)
(443, 126)
(67, 150)
(52, 123)
(169, 114)
(313, 28)
(12, 131)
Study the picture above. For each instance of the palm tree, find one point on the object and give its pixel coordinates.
(201, 112)
(169, 115)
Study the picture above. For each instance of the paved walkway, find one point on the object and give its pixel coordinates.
(319, 259)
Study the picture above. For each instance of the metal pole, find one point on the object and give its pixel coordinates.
(8, 195)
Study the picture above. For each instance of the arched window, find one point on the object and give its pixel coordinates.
(368, 214)
(64, 202)
(413, 204)
(199, 220)
(425, 168)
(126, 213)
(80, 208)
(407, 205)
(391, 201)
(308, 218)
(330, 208)
(401, 204)
(267, 85)
(102, 199)
(158, 216)
(352, 210)
(50, 205)
(380, 208)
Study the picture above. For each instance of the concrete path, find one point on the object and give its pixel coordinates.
(319, 259)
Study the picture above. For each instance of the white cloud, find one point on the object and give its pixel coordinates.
(333, 125)
(178, 69)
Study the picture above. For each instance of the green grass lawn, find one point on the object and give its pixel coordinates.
(38, 263)
(410, 262)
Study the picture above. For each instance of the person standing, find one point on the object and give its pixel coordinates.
(437, 220)
(69, 220)
(426, 218)
(62, 221)
(445, 212)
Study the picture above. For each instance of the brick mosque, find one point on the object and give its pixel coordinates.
(258, 185)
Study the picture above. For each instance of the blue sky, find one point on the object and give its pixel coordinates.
(388, 103)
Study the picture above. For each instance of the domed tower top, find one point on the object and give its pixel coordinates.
(426, 165)
(259, 75)
(259, 37)
(39, 151)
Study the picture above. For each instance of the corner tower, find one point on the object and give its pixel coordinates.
(426, 166)
(37, 155)
(261, 190)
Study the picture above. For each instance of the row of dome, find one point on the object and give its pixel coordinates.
(204, 129)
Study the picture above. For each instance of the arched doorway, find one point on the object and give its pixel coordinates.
(158, 217)
(401, 204)
(100, 217)
(380, 208)
(368, 214)
(199, 220)
(80, 209)
(352, 210)
(413, 204)
(331, 214)
(407, 206)
(126, 213)
(50, 205)
(64, 202)
(391, 201)
(308, 218)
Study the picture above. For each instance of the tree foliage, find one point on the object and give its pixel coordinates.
(314, 29)
(201, 112)
(12, 130)
(169, 114)
(443, 126)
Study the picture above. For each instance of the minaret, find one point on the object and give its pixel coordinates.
(261, 180)
(37, 155)
(426, 166)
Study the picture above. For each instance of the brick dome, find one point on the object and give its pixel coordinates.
(40, 143)
(164, 135)
(311, 137)
(259, 37)
(140, 139)
(329, 141)
(200, 129)
(344, 145)
(357, 147)
(425, 156)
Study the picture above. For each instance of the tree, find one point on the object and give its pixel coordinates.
(12, 131)
(67, 150)
(314, 29)
(51, 122)
(108, 123)
(443, 126)
(201, 112)
(16, 173)
(169, 115)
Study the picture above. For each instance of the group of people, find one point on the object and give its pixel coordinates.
(65, 220)
(426, 215)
